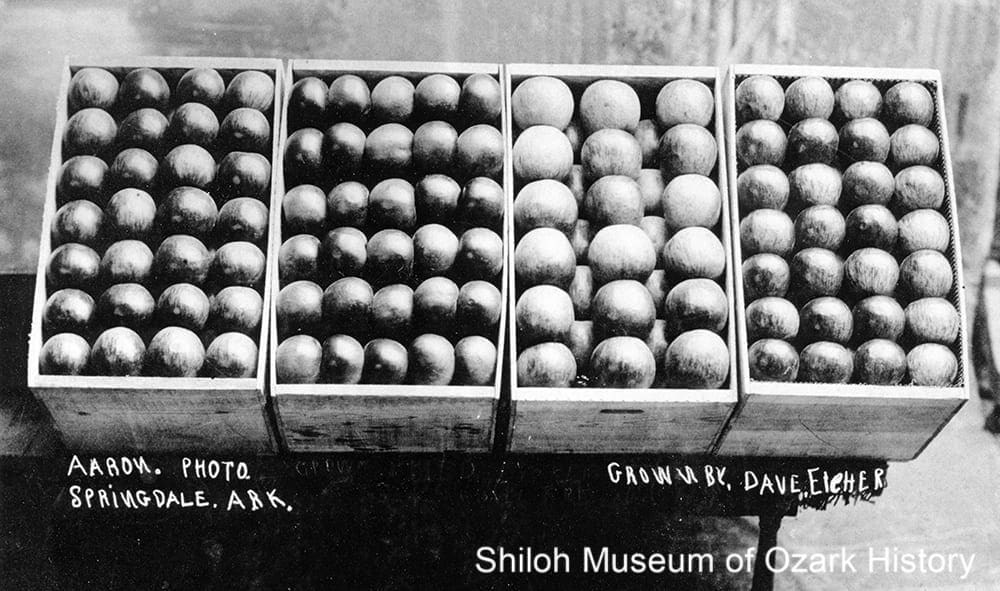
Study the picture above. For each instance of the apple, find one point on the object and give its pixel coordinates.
(820, 226)
(479, 152)
(347, 205)
(187, 165)
(545, 256)
(431, 360)
(127, 261)
(932, 320)
(867, 183)
(349, 98)
(814, 184)
(543, 313)
(243, 174)
(435, 248)
(390, 257)
(231, 355)
(343, 148)
(909, 102)
(68, 310)
(118, 351)
(546, 365)
(481, 204)
(581, 291)
(623, 308)
(386, 362)
(347, 307)
(545, 204)
(133, 168)
(772, 318)
(773, 360)
(307, 103)
(925, 273)
(871, 271)
(236, 308)
(478, 309)
(298, 360)
(857, 99)
(620, 251)
(392, 311)
(72, 265)
(343, 360)
(767, 231)
(871, 225)
(697, 359)
(480, 255)
(913, 145)
(622, 362)
(480, 99)
(614, 199)
(759, 97)
(879, 362)
(762, 186)
(878, 317)
(91, 87)
(392, 100)
(303, 158)
(543, 152)
(299, 307)
(434, 146)
(696, 303)
(817, 272)
(193, 123)
(303, 210)
(299, 258)
(81, 177)
(761, 141)
(826, 319)
(251, 89)
(187, 210)
(392, 204)
(437, 197)
(923, 229)
(542, 100)
(693, 252)
(816, 140)
(864, 140)
(765, 274)
(612, 152)
(64, 354)
(243, 218)
(809, 96)
(436, 96)
(918, 187)
(183, 304)
(684, 102)
(143, 128)
(343, 252)
(245, 130)
(609, 104)
(239, 263)
(142, 88)
(126, 304)
(475, 361)
(78, 221)
(389, 149)
(825, 362)
(89, 132)
(200, 85)
(932, 364)
(691, 200)
(181, 259)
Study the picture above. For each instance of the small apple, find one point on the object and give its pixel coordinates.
(303, 210)
(68, 310)
(347, 307)
(78, 221)
(343, 359)
(245, 130)
(349, 98)
(480, 99)
(92, 87)
(231, 355)
(431, 360)
(183, 304)
(187, 165)
(392, 204)
(72, 265)
(298, 258)
(347, 205)
(143, 128)
(243, 174)
(133, 168)
(81, 177)
(307, 103)
(64, 354)
(142, 88)
(343, 252)
(251, 89)
(236, 308)
(298, 360)
(475, 361)
(392, 312)
(243, 218)
(200, 85)
(299, 307)
(187, 210)
(118, 351)
(127, 261)
(193, 123)
(386, 362)
(181, 259)
(390, 258)
(126, 304)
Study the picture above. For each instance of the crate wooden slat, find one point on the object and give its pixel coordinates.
(389, 418)
(843, 420)
(151, 414)
(593, 420)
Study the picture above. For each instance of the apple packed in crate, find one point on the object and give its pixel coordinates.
(391, 256)
(158, 243)
(619, 261)
(844, 229)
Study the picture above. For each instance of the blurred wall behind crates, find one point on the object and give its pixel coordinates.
(957, 36)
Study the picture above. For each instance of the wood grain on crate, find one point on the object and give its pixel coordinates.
(593, 420)
(842, 420)
(389, 418)
(114, 414)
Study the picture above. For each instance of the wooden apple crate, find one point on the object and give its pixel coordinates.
(154, 414)
(842, 420)
(371, 417)
(620, 420)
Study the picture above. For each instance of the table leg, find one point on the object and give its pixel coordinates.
(770, 522)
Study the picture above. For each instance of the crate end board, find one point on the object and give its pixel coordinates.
(373, 418)
(585, 420)
(794, 430)
(236, 404)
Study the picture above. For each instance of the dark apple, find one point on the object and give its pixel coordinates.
(245, 130)
(812, 140)
(236, 308)
(200, 85)
(349, 98)
(622, 308)
(343, 360)
(89, 132)
(187, 165)
(478, 309)
(142, 88)
(392, 100)
(481, 204)
(81, 177)
(303, 156)
(67, 310)
(78, 221)
(243, 218)
(437, 198)
(298, 258)
(878, 317)
(343, 148)
(817, 272)
(239, 263)
(130, 213)
(347, 305)
(118, 351)
(697, 359)
(434, 250)
(773, 360)
(479, 152)
(389, 149)
(126, 304)
(809, 96)
(92, 87)
(243, 174)
(193, 123)
(181, 259)
(298, 360)
(183, 304)
(759, 97)
(761, 142)
(231, 355)
(826, 319)
(909, 102)
(386, 362)
(390, 258)
(392, 205)
(622, 362)
(251, 89)
(187, 210)
(864, 140)
(144, 128)
(436, 97)
(347, 205)
(762, 186)
(127, 261)
(307, 103)
(479, 101)
(72, 265)
(480, 255)
(696, 303)
(871, 225)
(825, 362)
(64, 354)
(879, 362)
(435, 302)
(821, 226)
(133, 168)
(344, 252)
(765, 274)
(582, 290)
(434, 146)
(772, 318)
(299, 307)
(303, 210)
(392, 312)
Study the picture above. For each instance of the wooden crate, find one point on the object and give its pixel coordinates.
(842, 420)
(153, 414)
(369, 417)
(604, 420)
